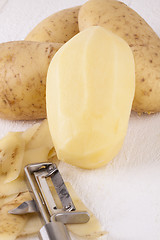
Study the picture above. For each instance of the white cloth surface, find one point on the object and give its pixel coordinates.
(124, 195)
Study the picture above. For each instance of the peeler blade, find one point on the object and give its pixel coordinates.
(24, 208)
(61, 188)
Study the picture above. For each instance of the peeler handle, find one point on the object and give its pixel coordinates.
(54, 231)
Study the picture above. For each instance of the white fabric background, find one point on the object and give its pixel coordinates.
(124, 195)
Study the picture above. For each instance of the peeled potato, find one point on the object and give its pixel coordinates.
(144, 42)
(23, 71)
(91, 81)
(59, 27)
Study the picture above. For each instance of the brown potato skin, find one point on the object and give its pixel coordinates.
(59, 27)
(23, 71)
(144, 42)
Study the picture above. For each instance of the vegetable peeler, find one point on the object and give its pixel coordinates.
(53, 219)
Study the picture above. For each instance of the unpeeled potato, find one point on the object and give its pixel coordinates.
(23, 70)
(11, 188)
(59, 27)
(145, 44)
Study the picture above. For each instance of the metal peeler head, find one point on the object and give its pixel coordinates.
(37, 176)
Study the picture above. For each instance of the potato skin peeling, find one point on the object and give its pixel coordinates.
(11, 155)
(17, 149)
(11, 225)
(91, 81)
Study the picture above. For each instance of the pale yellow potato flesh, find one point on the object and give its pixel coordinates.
(23, 70)
(144, 42)
(59, 27)
(90, 89)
